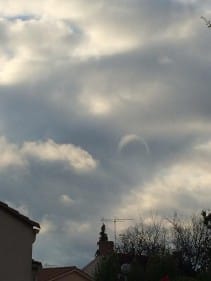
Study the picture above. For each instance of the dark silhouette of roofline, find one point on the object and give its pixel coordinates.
(15, 213)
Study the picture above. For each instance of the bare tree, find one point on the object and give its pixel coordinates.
(148, 239)
(192, 243)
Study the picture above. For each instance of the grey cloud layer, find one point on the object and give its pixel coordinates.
(120, 88)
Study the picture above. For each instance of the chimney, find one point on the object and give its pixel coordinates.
(106, 248)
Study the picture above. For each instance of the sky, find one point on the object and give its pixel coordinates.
(104, 113)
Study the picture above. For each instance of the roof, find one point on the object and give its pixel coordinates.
(54, 273)
(91, 267)
(123, 258)
(18, 215)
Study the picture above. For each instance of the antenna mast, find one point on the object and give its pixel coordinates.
(115, 220)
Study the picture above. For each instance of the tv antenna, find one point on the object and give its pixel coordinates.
(207, 22)
(115, 220)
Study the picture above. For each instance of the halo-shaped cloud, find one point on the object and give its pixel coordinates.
(132, 138)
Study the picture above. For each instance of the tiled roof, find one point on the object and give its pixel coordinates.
(53, 273)
(19, 216)
(48, 273)
(91, 267)
(123, 258)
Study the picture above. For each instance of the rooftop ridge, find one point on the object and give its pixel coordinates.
(20, 216)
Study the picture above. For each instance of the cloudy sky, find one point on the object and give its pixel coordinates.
(105, 111)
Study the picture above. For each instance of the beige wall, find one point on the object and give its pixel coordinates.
(16, 240)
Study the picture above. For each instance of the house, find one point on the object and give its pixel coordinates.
(68, 273)
(105, 249)
(17, 235)
(92, 266)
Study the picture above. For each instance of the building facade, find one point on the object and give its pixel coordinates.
(17, 235)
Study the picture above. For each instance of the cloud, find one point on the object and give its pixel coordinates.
(81, 81)
(165, 60)
(26, 47)
(132, 138)
(75, 228)
(66, 200)
(47, 226)
(10, 156)
(74, 157)
(204, 147)
(95, 105)
(183, 185)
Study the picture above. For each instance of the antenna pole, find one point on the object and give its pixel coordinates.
(115, 232)
(115, 220)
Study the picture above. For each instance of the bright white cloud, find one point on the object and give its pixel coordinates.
(10, 155)
(184, 185)
(102, 29)
(31, 46)
(65, 9)
(189, 180)
(95, 104)
(105, 42)
(99, 106)
(75, 157)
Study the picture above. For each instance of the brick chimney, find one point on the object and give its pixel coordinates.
(105, 247)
